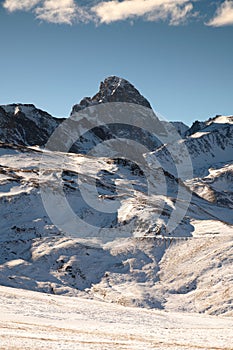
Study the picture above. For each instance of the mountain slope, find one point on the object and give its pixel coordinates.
(135, 270)
(155, 233)
(24, 124)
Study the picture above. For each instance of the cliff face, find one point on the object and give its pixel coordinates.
(24, 124)
(113, 89)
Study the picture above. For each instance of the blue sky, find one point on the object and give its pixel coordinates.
(179, 54)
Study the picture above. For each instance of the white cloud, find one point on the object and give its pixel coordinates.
(176, 13)
(25, 5)
(224, 15)
(53, 11)
(67, 11)
(57, 11)
(174, 10)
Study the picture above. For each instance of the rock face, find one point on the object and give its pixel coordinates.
(26, 125)
(197, 126)
(113, 89)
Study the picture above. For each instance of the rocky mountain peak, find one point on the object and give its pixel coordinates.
(113, 89)
(196, 126)
(24, 124)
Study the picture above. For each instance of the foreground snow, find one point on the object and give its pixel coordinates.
(31, 320)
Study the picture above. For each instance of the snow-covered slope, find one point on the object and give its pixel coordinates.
(212, 146)
(217, 186)
(30, 320)
(210, 149)
(132, 266)
(210, 124)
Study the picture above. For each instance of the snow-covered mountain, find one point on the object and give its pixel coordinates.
(130, 268)
(24, 124)
(167, 240)
(207, 147)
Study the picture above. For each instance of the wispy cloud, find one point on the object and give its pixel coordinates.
(57, 11)
(223, 16)
(153, 10)
(174, 12)
(16, 5)
(53, 11)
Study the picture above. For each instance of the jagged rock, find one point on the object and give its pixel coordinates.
(113, 89)
(24, 124)
(197, 126)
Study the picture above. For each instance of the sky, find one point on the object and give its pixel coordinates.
(177, 53)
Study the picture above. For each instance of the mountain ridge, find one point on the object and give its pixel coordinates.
(25, 124)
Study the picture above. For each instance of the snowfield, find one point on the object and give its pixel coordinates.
(31, 320)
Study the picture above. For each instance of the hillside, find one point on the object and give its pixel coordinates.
(104, 218)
